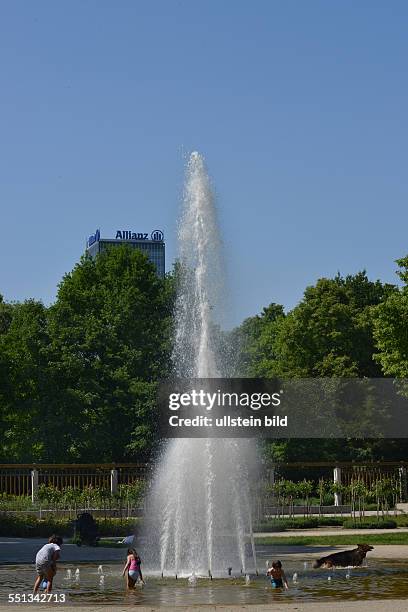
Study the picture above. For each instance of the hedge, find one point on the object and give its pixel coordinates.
(311, 522)
(370, 524)
(12, 525)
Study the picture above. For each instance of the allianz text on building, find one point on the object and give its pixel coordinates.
(152, 244)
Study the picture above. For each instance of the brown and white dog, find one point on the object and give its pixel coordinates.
(345, 558)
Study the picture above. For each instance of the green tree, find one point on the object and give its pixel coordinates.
(110, 329)
(391, 328)
(27, 394)
(78, 380)
(330, 333)
(6, 316)
(252, 344)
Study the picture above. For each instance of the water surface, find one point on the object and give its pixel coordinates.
(380, 579)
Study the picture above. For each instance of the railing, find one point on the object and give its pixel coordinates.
(345, 473)
(369, 474)
(24, 479)
(15, 480)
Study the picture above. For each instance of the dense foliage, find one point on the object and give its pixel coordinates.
(78, 379)
(127, 499)
(329, 333)
(343, 327)
(29, 526)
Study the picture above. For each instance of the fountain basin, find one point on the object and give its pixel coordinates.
(381, 579)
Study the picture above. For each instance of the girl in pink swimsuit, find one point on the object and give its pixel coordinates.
(132, 567)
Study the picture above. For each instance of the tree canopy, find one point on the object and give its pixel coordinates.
(391, 328)
(79, 378)
(330, 333)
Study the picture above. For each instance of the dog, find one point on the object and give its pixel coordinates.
(345, 558)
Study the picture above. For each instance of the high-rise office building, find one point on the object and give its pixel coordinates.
(151, 244)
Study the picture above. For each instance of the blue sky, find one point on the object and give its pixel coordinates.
(300, 109)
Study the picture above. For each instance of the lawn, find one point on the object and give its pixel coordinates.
(336, 540)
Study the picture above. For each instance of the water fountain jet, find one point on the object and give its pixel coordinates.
(199, 515)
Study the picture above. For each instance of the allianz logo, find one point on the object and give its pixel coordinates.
(156, 235)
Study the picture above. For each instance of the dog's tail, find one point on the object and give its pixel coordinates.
(318, 563)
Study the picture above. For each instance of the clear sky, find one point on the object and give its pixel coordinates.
(300, 109)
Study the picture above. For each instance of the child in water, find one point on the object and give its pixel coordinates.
(278, 578)
(132, 566)
(46, 563)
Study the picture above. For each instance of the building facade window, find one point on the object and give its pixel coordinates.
(155, 250)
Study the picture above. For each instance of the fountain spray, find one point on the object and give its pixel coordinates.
(199, 505)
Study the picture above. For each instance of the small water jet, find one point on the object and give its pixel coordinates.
(100, 569)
